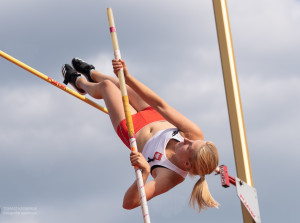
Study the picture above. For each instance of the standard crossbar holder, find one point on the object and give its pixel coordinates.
(226, 179)
(246, 193)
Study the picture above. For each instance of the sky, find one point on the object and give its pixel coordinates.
(60, 157)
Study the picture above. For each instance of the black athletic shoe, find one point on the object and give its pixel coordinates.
(83, 67)
(70, 75)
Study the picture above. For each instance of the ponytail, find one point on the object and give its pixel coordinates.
(202, 196)
(204, 161)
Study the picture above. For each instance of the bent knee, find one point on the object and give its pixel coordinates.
(106, 84)
(99, 89)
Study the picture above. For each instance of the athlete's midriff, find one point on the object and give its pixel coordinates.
(146, 123)
(148, 131)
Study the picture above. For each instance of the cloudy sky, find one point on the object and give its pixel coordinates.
(61, 157)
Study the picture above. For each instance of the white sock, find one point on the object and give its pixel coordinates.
(77, 80)
(91, 71)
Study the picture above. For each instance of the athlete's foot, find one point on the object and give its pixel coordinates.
(70, 76)
(83, 67)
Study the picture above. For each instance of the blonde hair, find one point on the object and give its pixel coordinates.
(204, 161)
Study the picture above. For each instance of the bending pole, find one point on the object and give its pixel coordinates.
(133, 146)
(51, 81)
(234, 104)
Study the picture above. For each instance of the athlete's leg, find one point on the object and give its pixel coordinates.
(135, 100)
(111, 94)
(88, 70)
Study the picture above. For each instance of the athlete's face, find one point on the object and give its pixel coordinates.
(185, 149)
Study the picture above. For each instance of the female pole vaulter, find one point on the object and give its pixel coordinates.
(170, 145)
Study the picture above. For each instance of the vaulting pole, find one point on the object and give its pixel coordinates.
(238, 132)
(51, 81)
(133, 146)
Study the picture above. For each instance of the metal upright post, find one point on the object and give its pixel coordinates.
(233, 98)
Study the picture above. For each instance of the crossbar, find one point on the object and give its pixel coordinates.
(52, 81)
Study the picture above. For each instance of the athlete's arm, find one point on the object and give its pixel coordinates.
(189, 128)
(163, 182)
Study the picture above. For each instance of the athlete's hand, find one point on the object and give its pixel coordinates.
(137, 159)
(118, 65)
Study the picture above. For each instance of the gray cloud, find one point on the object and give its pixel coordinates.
(62, 156)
